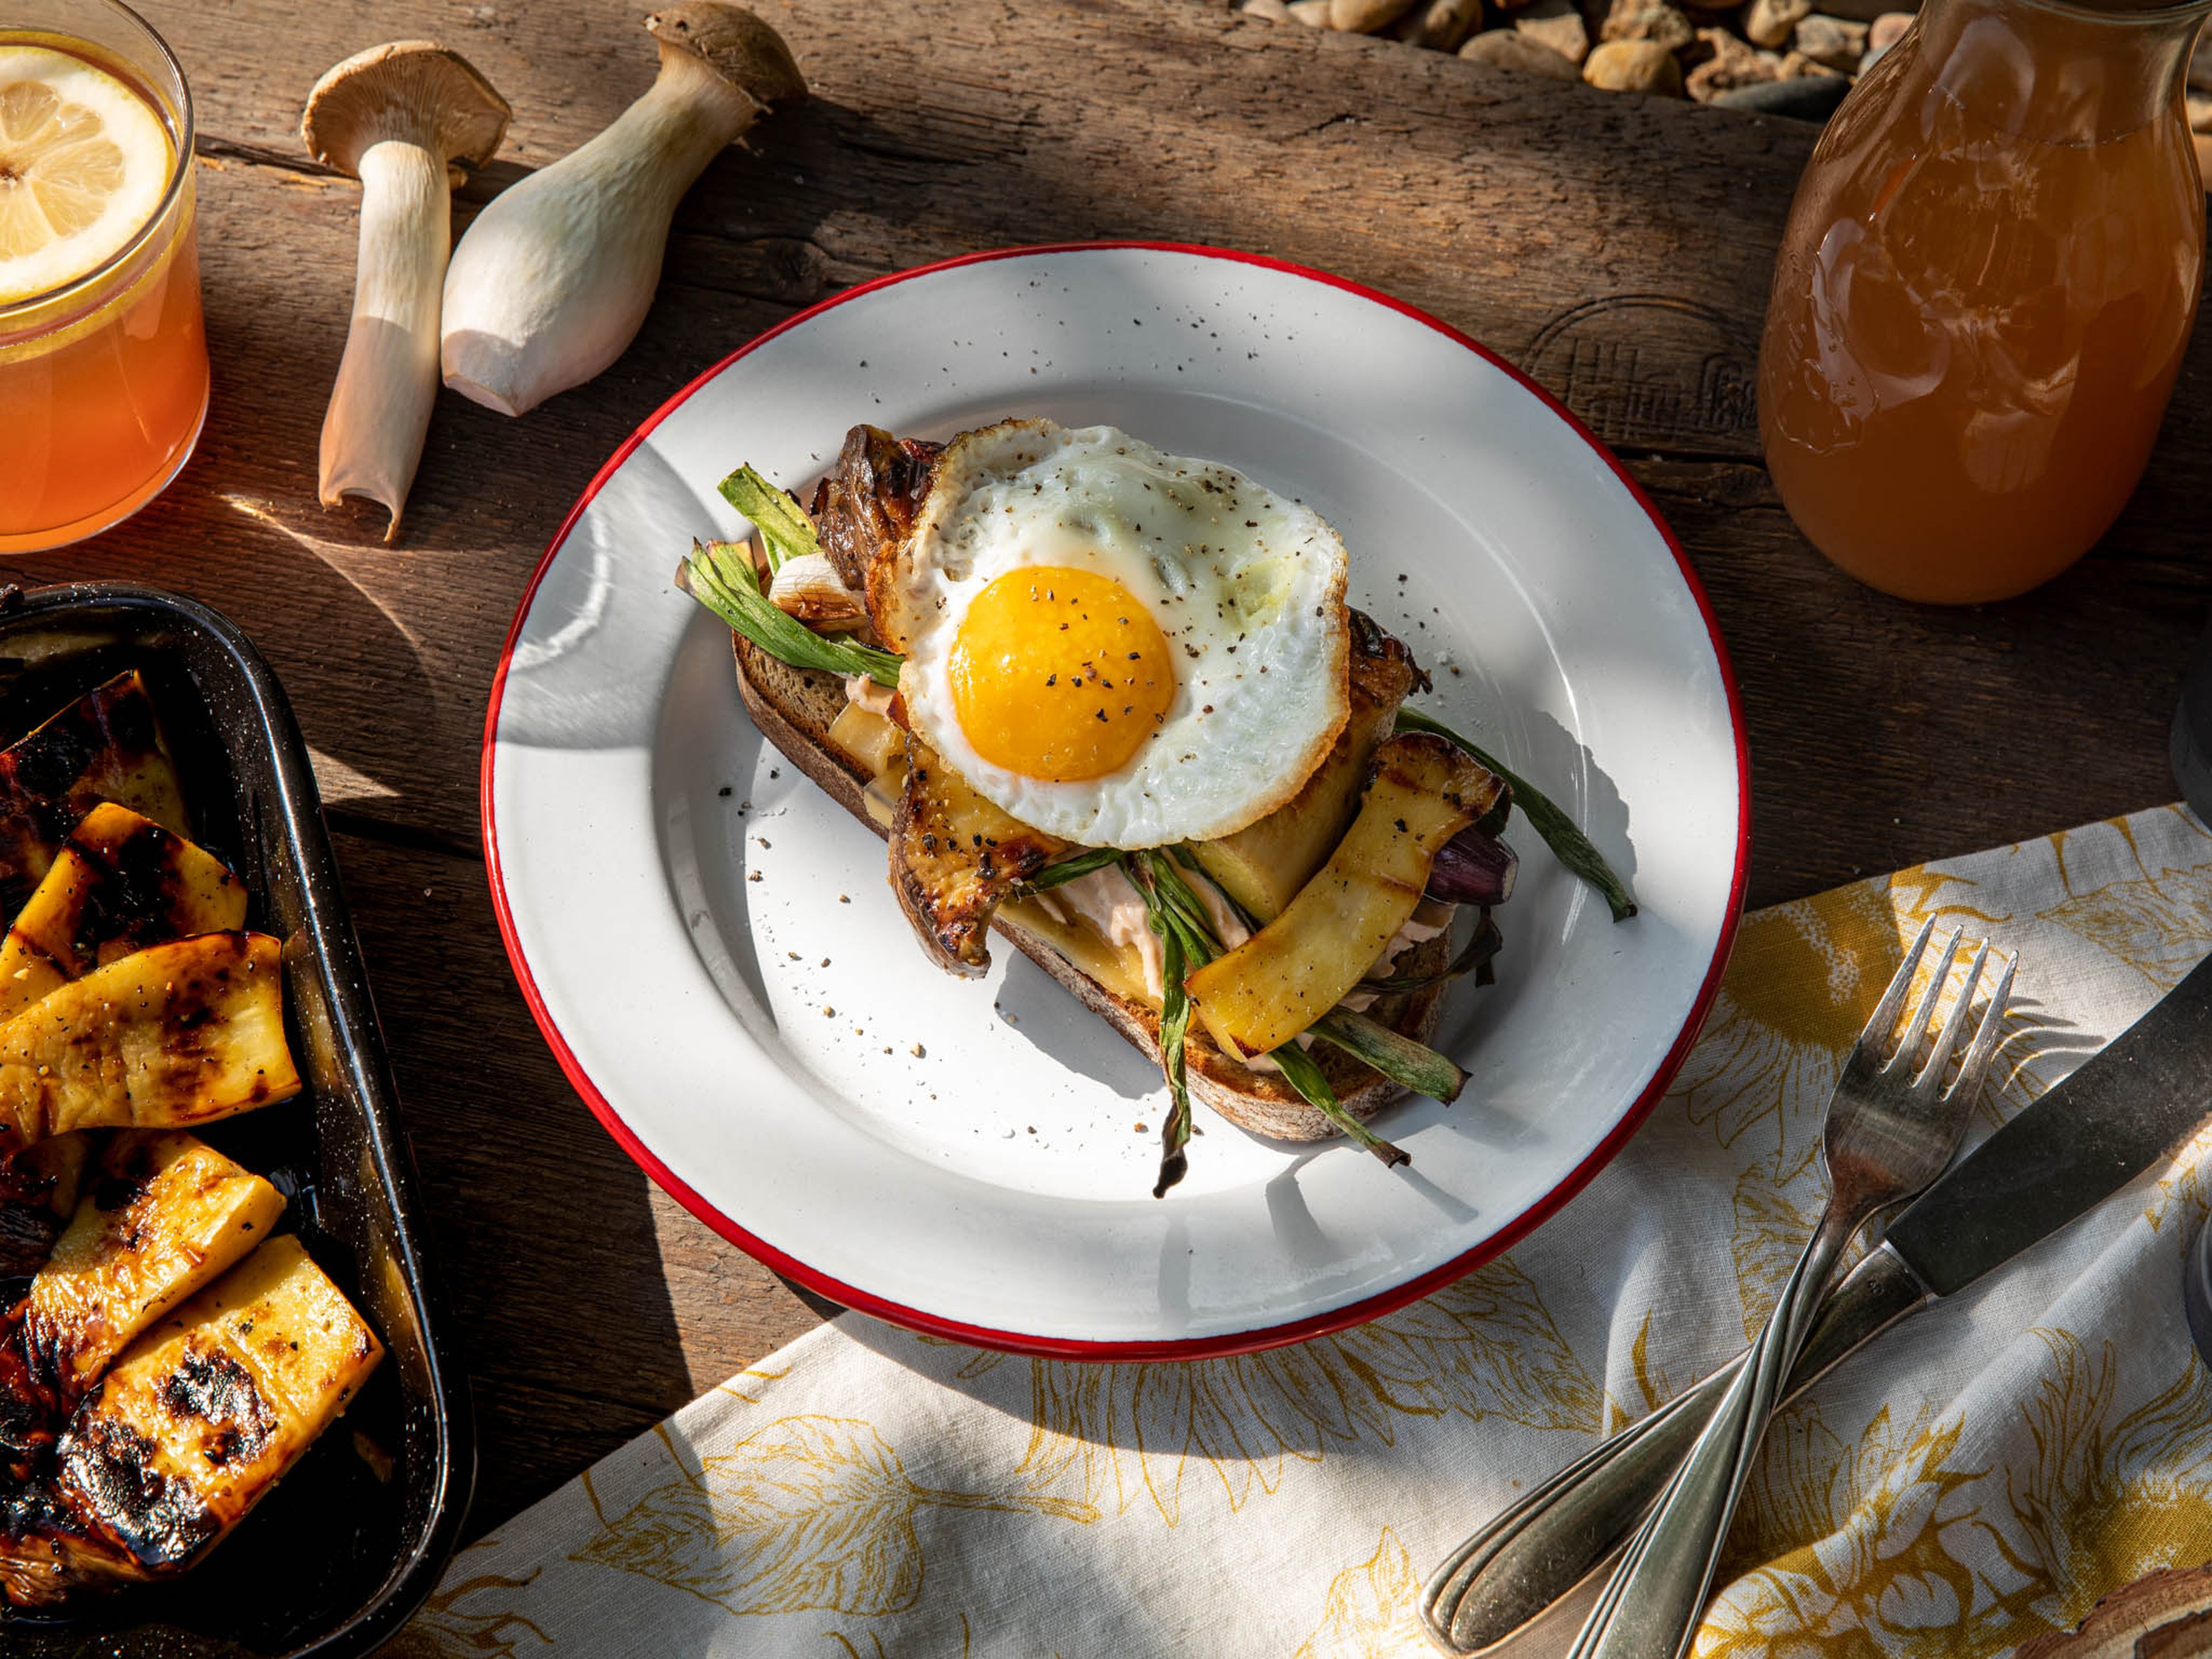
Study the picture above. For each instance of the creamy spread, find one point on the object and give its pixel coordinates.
(1429, 918)
(1107, 901)
(864, 693)
(1228, 927)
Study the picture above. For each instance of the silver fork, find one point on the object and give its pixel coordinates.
(1892, 1127)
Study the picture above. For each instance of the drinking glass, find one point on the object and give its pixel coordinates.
(103, 376)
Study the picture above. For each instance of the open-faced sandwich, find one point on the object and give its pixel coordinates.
(1113, 703)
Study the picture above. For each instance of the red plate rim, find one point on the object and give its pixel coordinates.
(1227, 1343)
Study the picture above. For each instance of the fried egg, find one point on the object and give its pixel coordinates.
(1116, 646)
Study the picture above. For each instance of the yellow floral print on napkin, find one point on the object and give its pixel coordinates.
(1982, 1473)
(810, 1512)
(1372, 1610)
(1484, 1346)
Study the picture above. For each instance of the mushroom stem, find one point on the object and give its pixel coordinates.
(402, 118)
(554, 279)
(380, 409)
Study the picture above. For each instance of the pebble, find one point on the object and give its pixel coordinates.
(1797, 62)
(1886, 30)
(1804, 98)
(1768, 22)
(1832, 42)
(1732, 64)
(1647, 19)
(1634, 66)
(1796, 66)
(1859, 11)
(1556, 24)
(1509, 49)
(1442, 25)
(1365, 16)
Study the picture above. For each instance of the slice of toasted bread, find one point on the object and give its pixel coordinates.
(794, 708)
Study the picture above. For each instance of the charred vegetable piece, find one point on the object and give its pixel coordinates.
(954, 858)
(1263, 865)
(179, 1035)
(120, 883)
(167, 1214)
(1473, 867)
(38, 1195)
(864, 508)
(47, 1553)
(107, 746)
(204, 1414)
(1560, 833)
(1276, 984)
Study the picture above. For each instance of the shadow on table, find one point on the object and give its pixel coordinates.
(554, 1254)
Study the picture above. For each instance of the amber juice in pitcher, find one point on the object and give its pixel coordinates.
(1987, 282)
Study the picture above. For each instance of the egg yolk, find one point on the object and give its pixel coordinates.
(1059, 674)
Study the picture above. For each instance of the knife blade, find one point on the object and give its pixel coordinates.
(2085, 1139)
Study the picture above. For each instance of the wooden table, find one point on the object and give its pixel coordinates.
(1617, 247)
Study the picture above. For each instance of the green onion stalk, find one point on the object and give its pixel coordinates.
(785, 530)
(721, 577)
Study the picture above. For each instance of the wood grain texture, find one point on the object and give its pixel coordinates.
(588, 1304)
(1617, 247)
(2164, 1615)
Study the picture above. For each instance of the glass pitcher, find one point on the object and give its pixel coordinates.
(1986, 283)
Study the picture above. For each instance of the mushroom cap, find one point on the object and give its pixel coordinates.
(738, 46)
(414, 90)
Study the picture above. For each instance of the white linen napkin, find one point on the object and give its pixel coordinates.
(1982, 1473)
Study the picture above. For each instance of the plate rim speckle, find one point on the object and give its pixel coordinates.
(1212, 1344)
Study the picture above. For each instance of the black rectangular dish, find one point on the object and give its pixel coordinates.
(348, 1544)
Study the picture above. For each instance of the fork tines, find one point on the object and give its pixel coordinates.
(1872, 1049)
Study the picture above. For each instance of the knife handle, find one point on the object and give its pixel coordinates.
(1549, 1542)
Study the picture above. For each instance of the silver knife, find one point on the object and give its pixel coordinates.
(2086, 1139)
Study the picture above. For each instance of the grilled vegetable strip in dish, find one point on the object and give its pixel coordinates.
(169, 1360)
(1112, 704)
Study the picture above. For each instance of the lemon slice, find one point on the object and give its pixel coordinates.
(83, 162)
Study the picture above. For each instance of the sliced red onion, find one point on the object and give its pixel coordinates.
(1473, 868)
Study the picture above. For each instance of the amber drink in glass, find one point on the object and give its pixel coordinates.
(103, 360)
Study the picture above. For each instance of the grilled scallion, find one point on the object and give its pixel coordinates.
(1406, 1063)
(1301, 1072)
(720, 576)
(785, 531)
(1070, 868)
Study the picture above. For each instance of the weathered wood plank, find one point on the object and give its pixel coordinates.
(588, 1304)
(1885, 734)
(1445, 181)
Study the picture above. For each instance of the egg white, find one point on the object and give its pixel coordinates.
(1247, 585)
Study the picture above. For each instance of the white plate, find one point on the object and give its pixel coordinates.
(685, 910)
